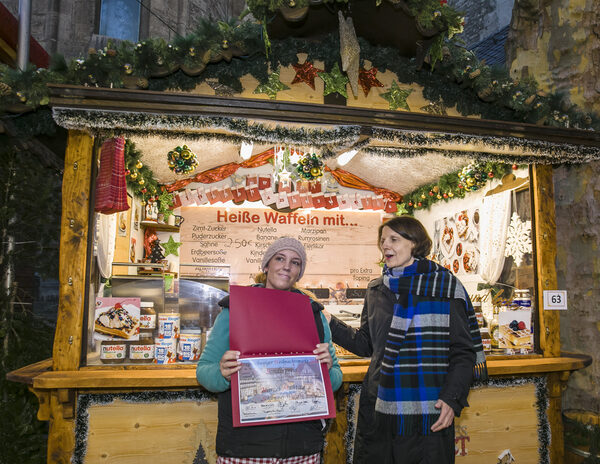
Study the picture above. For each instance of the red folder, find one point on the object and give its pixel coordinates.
(272, 323)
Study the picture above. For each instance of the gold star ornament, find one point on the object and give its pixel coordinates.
(272, 86)
(396, 97)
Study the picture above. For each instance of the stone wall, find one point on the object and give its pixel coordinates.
(558, 42)
(481, 22)
(68, 26)
(577, 196)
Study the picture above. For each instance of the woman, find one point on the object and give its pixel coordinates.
(419, 328)
(283, 265)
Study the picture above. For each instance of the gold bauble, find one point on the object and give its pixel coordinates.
(141, 181)
(470, 182)
(192, 51)
(315, 172)
(422, 196)
(450, 194)
(133, 175)
(139, 164)
(225, 44)
(22, 97)
(128, 68)
(186, 154)
(171, 164)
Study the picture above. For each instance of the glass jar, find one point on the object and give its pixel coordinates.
(486, 340)
(147, 319)
(113, 351)
(142, 350)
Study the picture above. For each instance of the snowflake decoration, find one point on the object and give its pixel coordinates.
(518, 239)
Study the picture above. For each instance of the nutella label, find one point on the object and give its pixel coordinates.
(141, 351)
(112, 351)
(147, 321)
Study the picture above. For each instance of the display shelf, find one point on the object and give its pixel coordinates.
(159, 226)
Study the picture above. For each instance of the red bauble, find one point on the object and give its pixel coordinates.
(490, 174)
(445, 195)
(430, 193)
(515, 167)
(419, 204)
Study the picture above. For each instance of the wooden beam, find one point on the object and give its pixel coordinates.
(544, 247)
(160, 377)
(144, 101)
(73, 251)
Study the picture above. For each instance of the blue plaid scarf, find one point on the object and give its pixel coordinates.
(415, 361)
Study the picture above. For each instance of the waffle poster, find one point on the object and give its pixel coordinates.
(456, 242)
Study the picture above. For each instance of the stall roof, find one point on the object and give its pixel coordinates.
(397, 150)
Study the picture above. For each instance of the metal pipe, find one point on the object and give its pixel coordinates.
(24, 34)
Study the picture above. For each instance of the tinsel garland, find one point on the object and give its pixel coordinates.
(176, 126)
(534, 151)
(541, 393)
(86, 400)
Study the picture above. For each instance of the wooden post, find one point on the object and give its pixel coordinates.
(542, 188)
(72, 287)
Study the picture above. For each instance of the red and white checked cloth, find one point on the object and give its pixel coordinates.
(111, 186)
(310, 459)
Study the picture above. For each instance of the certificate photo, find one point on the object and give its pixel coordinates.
(281, 388)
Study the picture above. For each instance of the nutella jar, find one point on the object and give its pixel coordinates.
(147, 318)
(113, 351)
(486, 340)
(142, 350)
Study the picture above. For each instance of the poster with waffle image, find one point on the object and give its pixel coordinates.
(515, 330)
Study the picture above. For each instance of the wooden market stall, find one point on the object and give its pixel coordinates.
(90, 406)
(94, 407)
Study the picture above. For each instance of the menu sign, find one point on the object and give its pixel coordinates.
(341, 245)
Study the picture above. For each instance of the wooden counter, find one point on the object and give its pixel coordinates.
(40, 377)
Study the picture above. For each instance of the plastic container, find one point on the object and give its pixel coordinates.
(165, 350)
(190, 345)
(168, 325)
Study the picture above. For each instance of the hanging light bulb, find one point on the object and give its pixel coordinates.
(246, 150)
(345, 157)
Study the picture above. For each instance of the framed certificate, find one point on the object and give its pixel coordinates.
(280, 380)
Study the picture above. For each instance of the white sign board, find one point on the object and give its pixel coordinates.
(555, 300)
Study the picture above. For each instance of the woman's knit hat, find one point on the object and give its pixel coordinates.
(285, 243)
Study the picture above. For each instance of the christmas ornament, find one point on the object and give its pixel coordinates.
(171, 247)
(182, 160)
(367, 79)
(349, 51)
(4, 89)
(473, 177)
(518, 239)
(272, 86)
(335, 81)
(139, 164)
(306, 73)
(396, 97)
(128, 68)
(310, 167)
(156, 255)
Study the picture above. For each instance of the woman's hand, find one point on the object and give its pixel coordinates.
(323, 354)
(230, 363)
(327, 315)
(446, 416)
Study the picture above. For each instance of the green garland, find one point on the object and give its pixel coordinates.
(140, 178)
(454, 185)
(224, 52)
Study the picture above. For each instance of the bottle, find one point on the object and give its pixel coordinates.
(495, 329)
